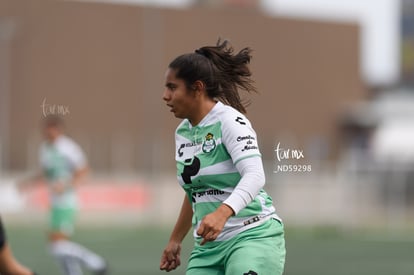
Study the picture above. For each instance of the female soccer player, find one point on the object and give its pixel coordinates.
(64, 164)
(219, 165)
(8, 264)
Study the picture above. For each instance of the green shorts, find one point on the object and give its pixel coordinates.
(257, 251)
(63, 220)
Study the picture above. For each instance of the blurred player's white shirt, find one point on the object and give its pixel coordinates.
(59, 161)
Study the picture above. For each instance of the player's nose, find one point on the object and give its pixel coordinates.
(166, 96)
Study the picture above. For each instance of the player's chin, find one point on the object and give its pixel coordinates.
(179, 115)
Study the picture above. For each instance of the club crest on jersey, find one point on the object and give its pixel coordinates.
(209, 143)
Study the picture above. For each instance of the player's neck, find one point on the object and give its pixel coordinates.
(202, 111)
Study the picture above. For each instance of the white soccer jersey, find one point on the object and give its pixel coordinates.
(59, 160)
(206, 157)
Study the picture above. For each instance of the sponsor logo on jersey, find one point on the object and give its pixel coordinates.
(250, 142)
(209, 143)
(245, 138)
(210, 192)
(240, 120)
(249, 147)
(186, 145)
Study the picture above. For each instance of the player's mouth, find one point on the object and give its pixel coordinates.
(171, 107)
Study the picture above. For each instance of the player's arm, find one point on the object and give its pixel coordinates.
(252, 180)
(78, 161)
(8, 264)
(79, 175)
(170, 258)
(35, 177)
(240, 139)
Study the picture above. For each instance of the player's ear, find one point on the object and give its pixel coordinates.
(198, 86)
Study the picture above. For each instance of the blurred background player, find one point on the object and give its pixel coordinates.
(63, 166)
(8, 264)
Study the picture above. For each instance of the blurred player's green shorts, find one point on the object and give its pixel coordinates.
(257, 251)
(62, 220)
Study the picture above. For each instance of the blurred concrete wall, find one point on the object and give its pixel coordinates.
(103, 66)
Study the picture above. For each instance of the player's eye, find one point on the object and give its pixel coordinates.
(171, 87)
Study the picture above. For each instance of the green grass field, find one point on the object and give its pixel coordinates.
(137, 251)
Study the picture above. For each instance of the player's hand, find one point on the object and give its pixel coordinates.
(213, 223)
(170, 258)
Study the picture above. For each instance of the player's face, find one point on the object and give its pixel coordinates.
(178, 97)
(52, 133)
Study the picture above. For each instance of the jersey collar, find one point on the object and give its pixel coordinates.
(207, 117)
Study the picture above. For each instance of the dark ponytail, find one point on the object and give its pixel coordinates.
(222, 72)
